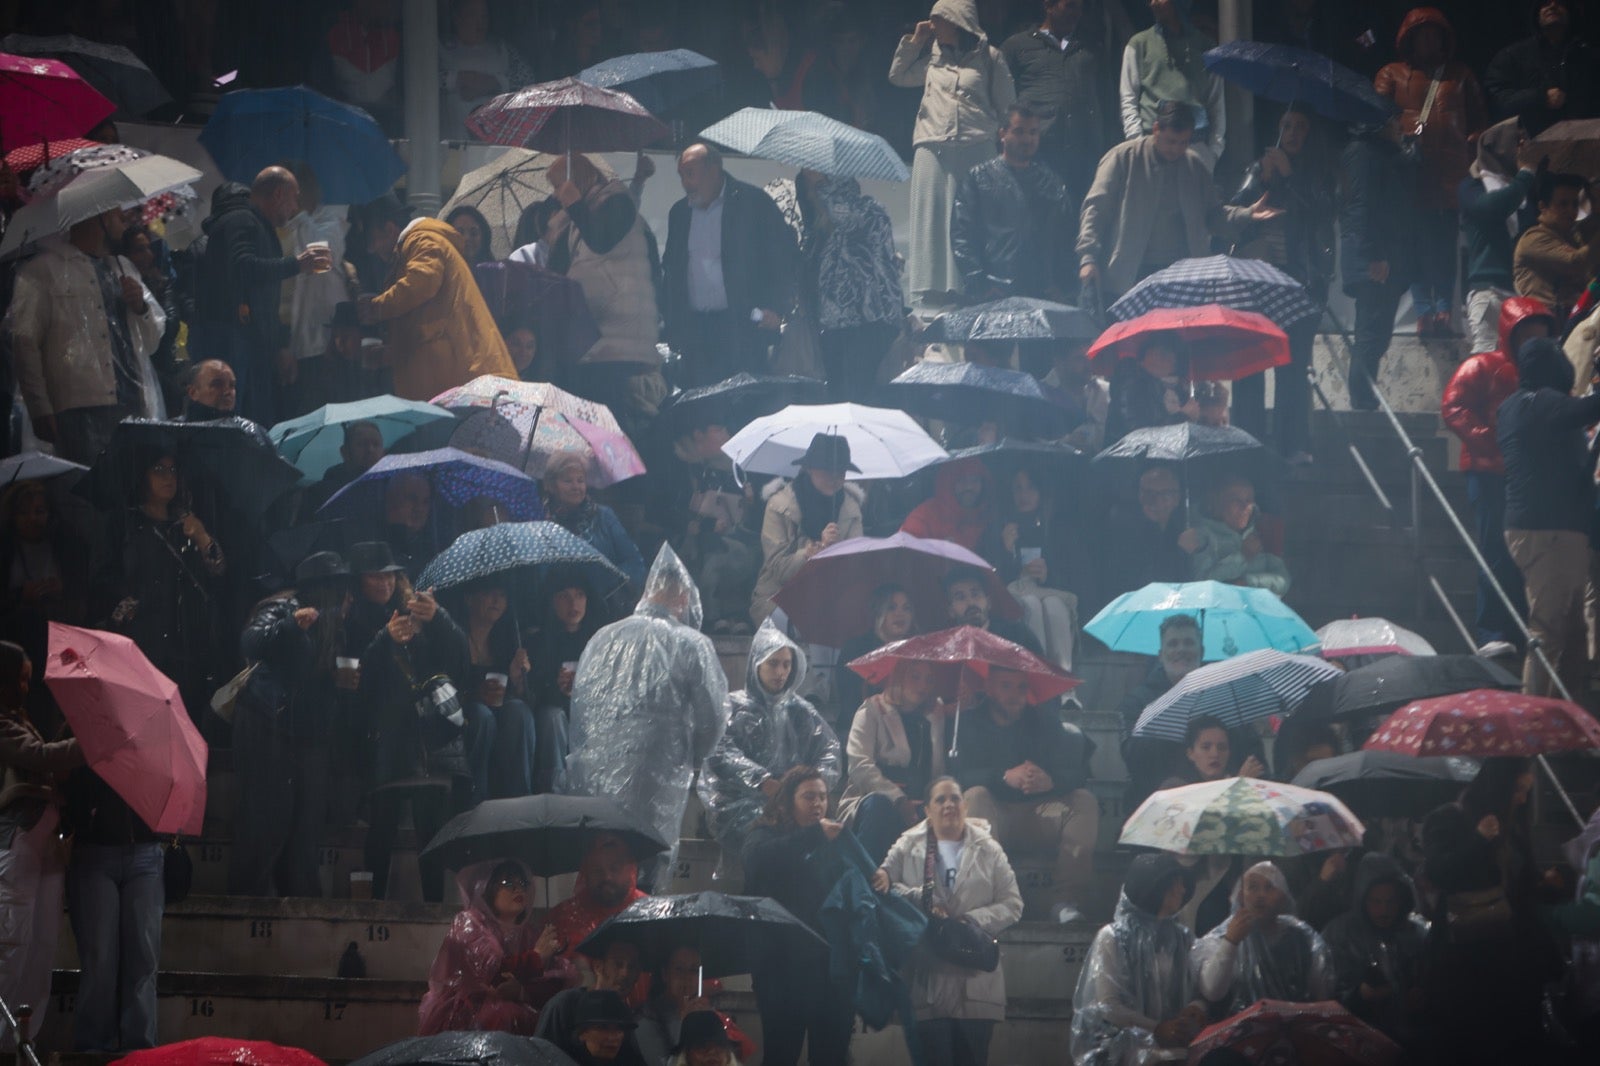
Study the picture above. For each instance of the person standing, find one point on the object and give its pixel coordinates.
(1546, 78)
(966, 89)
(1165, 62)
(1376, 215)
(474, 65)
(1058, 76)
(1557, 256)
(1492, 199)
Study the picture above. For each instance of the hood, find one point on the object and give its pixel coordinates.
(1497, 149)
(962, 13)
(944, 483)
(1541, 364)
(1418, 18)
(1272, 873)
(439, 229)
(473, 884)
(1514, 312)
(1148, 879)
(669, 581)
(226, 198)
(1375, 869)
(767, 642)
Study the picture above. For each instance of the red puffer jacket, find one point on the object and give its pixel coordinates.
(1481, 384)
(1458, 110)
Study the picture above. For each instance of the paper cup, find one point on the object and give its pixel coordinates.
(344, 663)
(360, 884)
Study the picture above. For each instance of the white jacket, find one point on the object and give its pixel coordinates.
(878, 739)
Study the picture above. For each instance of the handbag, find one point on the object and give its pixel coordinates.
(433, 698)
(226, 698)
(957, 941)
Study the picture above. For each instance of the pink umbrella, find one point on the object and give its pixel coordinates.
(530, 436)
(1484, 722)
(45, 100)
(132, 725)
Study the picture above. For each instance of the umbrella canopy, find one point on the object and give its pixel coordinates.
(731, 932)
(550, 834)
(46, 100)
(114, 71)
(660, 81)
(30, 157)
(35, 466)
(1289, 75)
(967, 649)
(458, 1047)
(456, 477)
(350, 154)
(132, 725)
(1486, 722)
(513, 546)
(1206, 451)
(968, 393)
(1381, 784)
(1369, 636)
(128, 182)
(828, 597)
(810, 141)
(312, 441)
(492, 391)
(232, 458)
(1242, 816)
(506, 186)
(220, 1051)
(1237, 691)
(530, 437)
(1038, 456)
(734, 401)
(1271, 1031)
(1572, 146)
(1233, 619)
(883, 443)
(566, 116)
(1219, 343)
(1385, 686)
(1242, 284)
(1015, 318)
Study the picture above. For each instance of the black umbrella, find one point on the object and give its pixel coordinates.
(118, 74)
(739, 400)
(231, 457)
(1383, 687)
(1007, 454)
(461, 1048)
(1015, 318)
(1204, 452)
(549, 834)
(1387, 783)
(732, 933)
(967, 393)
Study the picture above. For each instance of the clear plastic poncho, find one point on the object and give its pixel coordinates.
(649, 703)
(767, 734)
(1136, 974)
(1285, 959)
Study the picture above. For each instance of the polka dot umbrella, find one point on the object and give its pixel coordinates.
(510, 547)
(1485, 722)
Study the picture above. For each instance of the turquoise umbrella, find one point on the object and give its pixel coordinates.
(1233, 619)
(311, 442)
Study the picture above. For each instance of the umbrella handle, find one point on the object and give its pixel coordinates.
(955, 730)
(700, 981)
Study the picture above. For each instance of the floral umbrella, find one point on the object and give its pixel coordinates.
(528, 436)
(1242, 816)
(1487, 722)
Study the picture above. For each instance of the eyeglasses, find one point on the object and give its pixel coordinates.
(511, 882)
(165, 470)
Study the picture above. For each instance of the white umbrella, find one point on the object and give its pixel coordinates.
(94, 192)
(883, 443)
(1345, 637)
(35, 466)
(505, 187)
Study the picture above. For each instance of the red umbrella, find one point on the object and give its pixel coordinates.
(129, 719)
(828, 597)
(30, 157)
(967, 650)
(45, 100)
(1486, 721)
(1222, 344)
(566, 116)
(220, 1051)
(1271, 1031)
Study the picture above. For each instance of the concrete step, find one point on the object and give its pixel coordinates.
(1412, 376)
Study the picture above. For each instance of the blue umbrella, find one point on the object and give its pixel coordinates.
(255, 128)
(808, 140)
(513, 546)
(1233, 619)
(456, 477)
(969, 393)
(312, 441)
(1289, 75)
(1237, 691)
(660, 81)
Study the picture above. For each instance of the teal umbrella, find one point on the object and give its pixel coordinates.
(311, 442)
(1233, 619)
(510, 547)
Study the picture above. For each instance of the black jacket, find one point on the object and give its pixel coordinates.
(1521, 73)
(788, 864)
(759, 256)
(986, 750)
(1376, 211)
(1010, 230)
(1549, 476)
(1301, 240)
(242, 271)
(1064, 88)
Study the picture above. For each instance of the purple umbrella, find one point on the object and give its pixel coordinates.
(456, 477)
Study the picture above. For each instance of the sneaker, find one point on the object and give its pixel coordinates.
(1497, 649)
(1066, 914)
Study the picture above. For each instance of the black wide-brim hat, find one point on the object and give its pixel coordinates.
(827, 452)
(373, 557)
(320, 568)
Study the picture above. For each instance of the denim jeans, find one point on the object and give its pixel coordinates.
(878, 825)
(511, 762)
(115, 896)
(550, 750)
(1375, 310)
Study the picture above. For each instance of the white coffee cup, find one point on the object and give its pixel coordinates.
(344, 663)
(325, 251)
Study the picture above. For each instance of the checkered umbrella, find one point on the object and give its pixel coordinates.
(1242, 284)
(566, 116)
(808, 140)
(1237, 691)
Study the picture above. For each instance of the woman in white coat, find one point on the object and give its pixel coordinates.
(956, 1008)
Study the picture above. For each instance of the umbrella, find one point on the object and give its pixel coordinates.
(1270, 1032)
(114, 71)
(1289, 75)
(1007, 454)
(135, 178)
(456, 476)
(529, 436)
(731, 932)
(566, 116)
(968, 393)
(219, 1051)
(1388, 784)
(46, 100)
(506, 186)
(550, 834)
(1572, 146)
(457, 1047)
(1369, 636)
(735, 401)
(827, 598)
(1385, 686)
(1242, 816)
(1237, 691)
(660, 81)
(810, 141)
(1220, 343)
(1015, 318)
(30, 157)
(1486, 722)
(1242, 284)
(1212, 450)
(35, 466)
(510, 546)
(351, 156)
(132, 725)
(312, 441)
(1233, 619)
(491, 391)
(883, 443)
(232, 456)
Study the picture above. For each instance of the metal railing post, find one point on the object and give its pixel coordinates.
(19, 1023)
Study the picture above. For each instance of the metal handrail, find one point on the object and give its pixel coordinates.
(18, 1023)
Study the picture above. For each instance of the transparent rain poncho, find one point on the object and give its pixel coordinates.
(649, 703)
(1281, 959)
(1136, 974)
(767, 734)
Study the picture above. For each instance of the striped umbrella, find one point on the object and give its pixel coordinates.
(1237, 691)
(808, 140)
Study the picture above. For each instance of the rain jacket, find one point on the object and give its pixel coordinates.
(1458, 108)
(964, 96)
(1006, 229)
(1136, 974)
(439, 329)
(985, 891)
(768, 733)
(1359, 948)
(1540, 432)
(478, 949)
(783, 544)
(580, 914)
(1285, 960)
(649, 703)
(1473, 396)
(942, 517)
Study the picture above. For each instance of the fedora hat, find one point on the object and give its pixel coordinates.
(319, 567)
(827, 452)
(373, 557)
